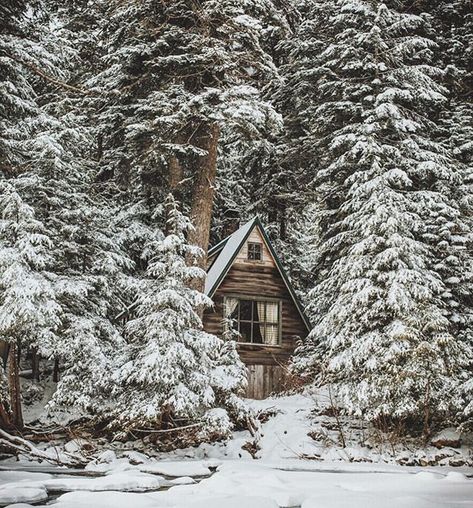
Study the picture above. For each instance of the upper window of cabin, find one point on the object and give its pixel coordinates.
(255, 251)
(254, 320)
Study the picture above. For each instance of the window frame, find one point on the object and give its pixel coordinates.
(253, 298)
(260, 247)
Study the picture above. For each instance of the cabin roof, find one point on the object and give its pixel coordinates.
(226, 252)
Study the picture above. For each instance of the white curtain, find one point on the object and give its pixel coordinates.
(230, 306)
(260, 306)
(272, 323)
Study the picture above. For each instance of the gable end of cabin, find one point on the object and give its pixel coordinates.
(253, 297)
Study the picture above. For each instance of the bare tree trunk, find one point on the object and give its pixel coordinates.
(35, 364)
(5, 419)
(176, 174)
(4, 348)
(205, 137)
(56, 370)
(14, 384)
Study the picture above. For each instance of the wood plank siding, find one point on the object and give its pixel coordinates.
(242, 256)
(264, 380)
(248, 279)
(259, 279)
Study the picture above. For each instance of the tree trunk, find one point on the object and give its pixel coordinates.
(15, 388)
(56, 370)
(5, 417)
(34, 364)
(4, 348)
(206, 137)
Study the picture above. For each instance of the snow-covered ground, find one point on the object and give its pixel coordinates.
(301, 463)
(257, 484)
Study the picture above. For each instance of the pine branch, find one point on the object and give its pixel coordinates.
(51, 79)
(125, 311)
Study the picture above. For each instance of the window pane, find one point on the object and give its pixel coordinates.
(246, 307)
(258, 333)
(272, 312)
(271, 334)
(245, 332)
(256, 321)
(255, 251)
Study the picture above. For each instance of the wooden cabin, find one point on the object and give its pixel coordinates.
(254, 302)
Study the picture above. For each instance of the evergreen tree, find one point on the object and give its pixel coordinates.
(382, 331)
(29, 312)
(46, 168)
(283, 191)
(177, 76)
(170, 367)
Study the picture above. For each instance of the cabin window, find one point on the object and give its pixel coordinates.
(255, 321)
(255, 251)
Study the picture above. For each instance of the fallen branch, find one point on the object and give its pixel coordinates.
(167, 431)
(56, 430)
(20, 445)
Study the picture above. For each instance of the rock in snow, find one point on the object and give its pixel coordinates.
(77, 445)
(127, 481)
(447, 437)
(22, 494)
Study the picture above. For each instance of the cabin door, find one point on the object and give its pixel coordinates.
(264, 380)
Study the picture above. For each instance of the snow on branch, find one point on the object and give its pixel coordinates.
(20, 445)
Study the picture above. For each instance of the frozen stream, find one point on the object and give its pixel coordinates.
(42, 484)
(235, 484)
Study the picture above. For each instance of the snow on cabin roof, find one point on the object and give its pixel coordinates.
(227, 250)
(231, 246)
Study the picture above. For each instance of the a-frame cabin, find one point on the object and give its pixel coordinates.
(253, 297)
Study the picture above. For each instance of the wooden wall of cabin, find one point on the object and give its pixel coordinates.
(257, 280)
(266, 363)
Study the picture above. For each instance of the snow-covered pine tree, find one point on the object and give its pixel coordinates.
(281, 183)
(29, 311)
(170, 368)
(452, 23)
(45, 161)
(382, 334)
(456, 20)
(177, 75)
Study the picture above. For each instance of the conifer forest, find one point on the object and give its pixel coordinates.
(237, 231)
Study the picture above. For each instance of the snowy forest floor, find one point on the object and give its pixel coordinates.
(300, 462)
